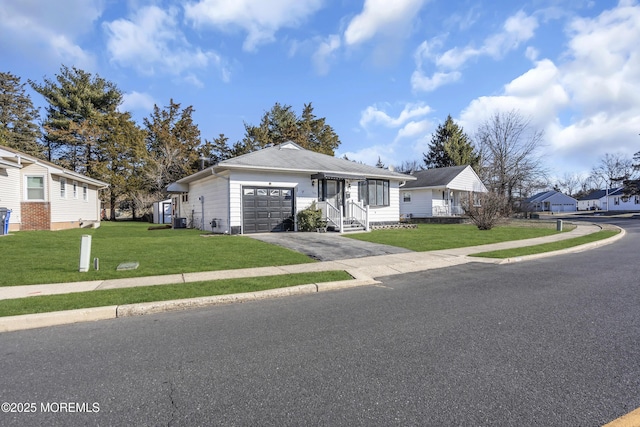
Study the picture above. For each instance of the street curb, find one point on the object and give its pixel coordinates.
(41, 320)
(574, 249)
(140, 309)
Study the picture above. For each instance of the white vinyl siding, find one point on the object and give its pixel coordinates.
(76, 210)
(420, 205)
(10, 185)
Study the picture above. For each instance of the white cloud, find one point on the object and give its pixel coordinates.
(421, 82)
(516, 30)
(151, 41)
(325, 53)
(588, 102)
(137, 101)
(49, 30)
(373, 115)
(381, 16)
(259, 19)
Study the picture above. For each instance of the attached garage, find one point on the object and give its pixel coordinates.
(266, 209)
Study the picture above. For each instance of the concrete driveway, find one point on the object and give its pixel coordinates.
(327, 246)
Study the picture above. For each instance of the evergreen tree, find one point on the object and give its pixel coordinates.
(77, 103)
(120, 157)
(172, 142)
(18, 128)
(450, 146)
(281, 124)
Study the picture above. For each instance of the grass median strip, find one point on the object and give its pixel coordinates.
(101, 298)
(433, 237)
(548, 247)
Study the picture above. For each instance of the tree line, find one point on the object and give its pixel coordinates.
(84, 130)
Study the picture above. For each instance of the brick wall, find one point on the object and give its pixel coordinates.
(35, 216)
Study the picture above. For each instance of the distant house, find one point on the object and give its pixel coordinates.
(550, 201)
(263, 191)
(439, 192)
(612, 199)
(44, 196)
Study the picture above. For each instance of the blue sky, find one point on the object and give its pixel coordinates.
(383, 73)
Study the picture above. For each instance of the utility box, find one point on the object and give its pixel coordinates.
(4, 221)
(559, 225)
(180, 223)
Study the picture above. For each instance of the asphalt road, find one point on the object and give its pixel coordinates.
(552, 342)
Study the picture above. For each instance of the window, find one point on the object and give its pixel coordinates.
(374, 192)
(75, 190)
(85, 192)
(35, 188)
(406, 197)
(616, 200)
(63, 188)
(185, 198)
(636, 200)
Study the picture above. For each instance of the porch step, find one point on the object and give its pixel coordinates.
(348, 227)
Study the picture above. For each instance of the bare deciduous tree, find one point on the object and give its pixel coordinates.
(510, 163)
(488, 210)
(612, 169)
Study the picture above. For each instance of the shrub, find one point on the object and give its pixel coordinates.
(489, 212)
(310, 218)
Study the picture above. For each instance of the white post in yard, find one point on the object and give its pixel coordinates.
(85, 253)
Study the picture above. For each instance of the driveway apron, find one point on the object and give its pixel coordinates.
(327, 246)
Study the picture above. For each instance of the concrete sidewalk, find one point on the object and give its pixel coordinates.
(363, 270)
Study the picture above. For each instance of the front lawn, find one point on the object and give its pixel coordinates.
(34, 257)
(432, 237)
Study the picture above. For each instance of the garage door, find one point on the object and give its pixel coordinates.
(266, 209)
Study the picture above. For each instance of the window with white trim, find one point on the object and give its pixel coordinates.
(85, 192)
(636, 200)
(406, 197)
(374, 192)
(35, 187)
(63, 188)
(75, 190)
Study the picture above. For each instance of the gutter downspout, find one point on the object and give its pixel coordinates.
(228, 198)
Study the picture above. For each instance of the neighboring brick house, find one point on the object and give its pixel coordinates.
(44, 196)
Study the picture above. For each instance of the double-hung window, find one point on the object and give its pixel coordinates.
(35, 187)
(85, 192)
(63, 188)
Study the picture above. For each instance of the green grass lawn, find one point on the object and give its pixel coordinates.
(102, 298)
(548, 247)
(33, 257)
(431, 237)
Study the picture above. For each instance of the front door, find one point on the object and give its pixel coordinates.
(333, 192)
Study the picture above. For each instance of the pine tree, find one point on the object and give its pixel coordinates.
(450, 146)
(77, 103)
(120, 158)
(172, 142)
(18, 116)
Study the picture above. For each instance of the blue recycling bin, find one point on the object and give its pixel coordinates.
(4, 220)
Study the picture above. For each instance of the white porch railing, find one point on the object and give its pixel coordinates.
(331, 213)
(358, 213)
(446, 210)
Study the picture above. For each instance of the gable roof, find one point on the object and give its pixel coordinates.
(599, 194)
(438, 177)
(17, 159)
(546, 195)
(290, 157)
